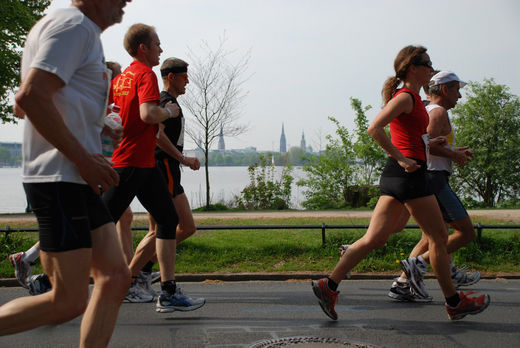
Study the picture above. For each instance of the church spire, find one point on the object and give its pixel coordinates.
(283, 145)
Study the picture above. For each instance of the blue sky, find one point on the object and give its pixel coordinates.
(309, 57)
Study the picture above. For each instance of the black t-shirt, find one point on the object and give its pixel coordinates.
(173, 127)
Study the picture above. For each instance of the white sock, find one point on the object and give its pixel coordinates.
(402, 280)
(32, 254)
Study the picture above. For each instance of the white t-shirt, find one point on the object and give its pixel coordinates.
(440, 162)
(66, 43)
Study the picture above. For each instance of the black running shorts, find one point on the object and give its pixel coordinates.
(403, 186)
(172, 174)
(66, 213)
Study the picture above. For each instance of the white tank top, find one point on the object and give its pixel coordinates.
(439, 162)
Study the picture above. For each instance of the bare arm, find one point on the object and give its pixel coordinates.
(36, 99)
(403, 103)
(440, 126)
(166, 145)
(152, 113)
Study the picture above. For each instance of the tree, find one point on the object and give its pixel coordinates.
(329, 175)
(370, 156)
(214, 98)
(264, 191)
(16, 17)
(489, 122)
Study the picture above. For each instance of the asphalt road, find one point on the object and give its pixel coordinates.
(242, 314)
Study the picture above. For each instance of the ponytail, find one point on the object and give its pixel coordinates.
(389, 88)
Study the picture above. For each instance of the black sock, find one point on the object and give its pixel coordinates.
(332, 284)
(134, 279)
(453, 301)
(148, 267)
(168, 287)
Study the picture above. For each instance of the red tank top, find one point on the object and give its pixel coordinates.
(406, 129)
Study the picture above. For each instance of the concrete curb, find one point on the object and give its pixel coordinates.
(296, 276)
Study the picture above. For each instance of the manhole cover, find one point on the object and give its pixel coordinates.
(308, 342)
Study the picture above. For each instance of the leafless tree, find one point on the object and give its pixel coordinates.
(214, 97)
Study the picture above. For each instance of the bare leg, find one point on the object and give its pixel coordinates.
(166, 254)
(145, 251)
(426, 212)
(186, 227)
(463, 234)
(69, 274)
(111, 282)
(124, 232)
(382, 224)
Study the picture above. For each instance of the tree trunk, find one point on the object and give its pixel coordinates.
(206, 167)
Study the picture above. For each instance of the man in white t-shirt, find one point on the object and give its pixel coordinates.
(63, 97)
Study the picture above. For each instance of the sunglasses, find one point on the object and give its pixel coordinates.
(426, 63)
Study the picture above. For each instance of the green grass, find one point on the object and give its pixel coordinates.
(300, 249)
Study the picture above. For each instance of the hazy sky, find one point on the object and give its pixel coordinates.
(309, 57)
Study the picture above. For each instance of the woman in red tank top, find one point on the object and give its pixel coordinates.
(403, 186)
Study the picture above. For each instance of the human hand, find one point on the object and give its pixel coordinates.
(409, 165)
(98, 173)
(462, 155)
(439, 141)
(191, 162)
(174, 108)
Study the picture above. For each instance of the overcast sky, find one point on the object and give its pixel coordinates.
(309, 57)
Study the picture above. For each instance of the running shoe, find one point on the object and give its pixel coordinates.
(177, 302)
(468, 305)
(156, 277)
(22, 269)
(400, 291)
(462, 277)
(415, 271)
(144, 281)
(137, 295)
(342, 249)
(38, 284)
(326, 297)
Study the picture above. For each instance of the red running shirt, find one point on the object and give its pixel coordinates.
(134, 86)
(406, 129)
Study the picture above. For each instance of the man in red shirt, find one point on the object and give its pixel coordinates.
(136, 91)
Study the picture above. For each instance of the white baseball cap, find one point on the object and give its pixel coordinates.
(443, 77)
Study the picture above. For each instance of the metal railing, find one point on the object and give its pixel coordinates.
(323, 227)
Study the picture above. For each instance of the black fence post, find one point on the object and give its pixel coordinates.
(323, 233)
(479, 232)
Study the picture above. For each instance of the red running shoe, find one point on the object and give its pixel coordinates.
(326, 297)
(468, 305)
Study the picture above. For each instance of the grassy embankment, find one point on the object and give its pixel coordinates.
(299, 250)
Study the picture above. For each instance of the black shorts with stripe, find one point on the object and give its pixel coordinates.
(171, 171)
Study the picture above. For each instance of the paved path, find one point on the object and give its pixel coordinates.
(239, 314)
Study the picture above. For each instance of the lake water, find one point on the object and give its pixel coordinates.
(225, 184)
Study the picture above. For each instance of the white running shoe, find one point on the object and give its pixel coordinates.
(400, 291)
(144, 281)
(463, 277)
(156, 277)
(137, 295)
(415, 271)
(22, 269)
